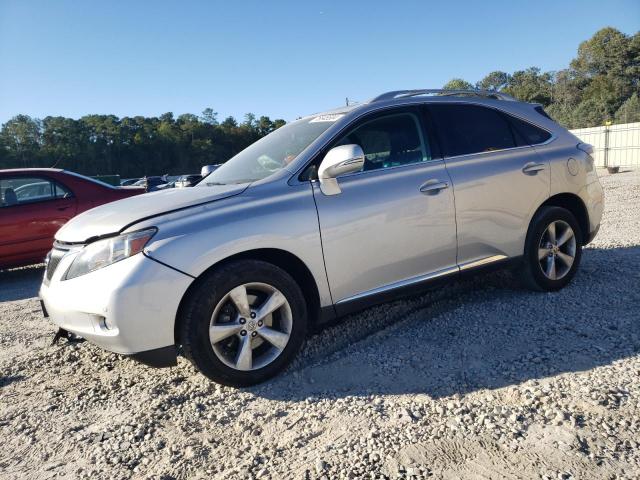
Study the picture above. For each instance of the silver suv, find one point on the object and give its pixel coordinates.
(329, 214)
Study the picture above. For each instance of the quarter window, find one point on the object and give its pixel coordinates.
(23, 190)
(466, 129)
(389, 141)
(527, 134)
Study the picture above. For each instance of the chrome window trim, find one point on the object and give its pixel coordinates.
(417, 102)
(455, 157)
(551, 138)
(417, 123)
(294, 179)
(382, 170)
(495, 107)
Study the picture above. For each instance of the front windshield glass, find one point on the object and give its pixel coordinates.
(271, 153)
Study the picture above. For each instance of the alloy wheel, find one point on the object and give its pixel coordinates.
(557, 250)
(250, 326)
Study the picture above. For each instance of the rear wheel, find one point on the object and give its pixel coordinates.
(243, 323)
(553, 250)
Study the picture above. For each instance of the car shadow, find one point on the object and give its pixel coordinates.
(483, 333)
(20, 283)
(8, 380)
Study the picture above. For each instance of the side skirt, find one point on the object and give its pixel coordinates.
(419, 285)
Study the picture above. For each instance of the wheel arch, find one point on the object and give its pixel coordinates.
(283, 259)
(575, 205)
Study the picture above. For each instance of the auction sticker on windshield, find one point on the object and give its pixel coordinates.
(327, 118)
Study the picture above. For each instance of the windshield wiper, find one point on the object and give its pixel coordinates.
(247, 180)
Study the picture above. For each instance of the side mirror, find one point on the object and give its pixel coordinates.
(339, 161)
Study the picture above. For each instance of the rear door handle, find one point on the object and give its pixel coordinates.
(433, 187)
(62, 209)
(533, 168)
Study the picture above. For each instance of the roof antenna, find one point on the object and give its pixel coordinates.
(347, 101)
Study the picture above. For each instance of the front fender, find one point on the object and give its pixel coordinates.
(270, 216)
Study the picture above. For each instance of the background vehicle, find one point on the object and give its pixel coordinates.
(35, 203)
(129, 182)
(328, 214)
(164, 186)
(188, 180)
(207, 169)
(150, 184)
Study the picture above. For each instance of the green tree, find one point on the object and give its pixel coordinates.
(209, 116)
(63, 141)
(129, 146)
(629, 111)
(589, 113)
(607, 52)
(494, 81)
(531, 85)
(21, 136)
(457, 84)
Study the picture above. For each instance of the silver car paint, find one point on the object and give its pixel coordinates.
(112, 217)
(584, 183)
(488, 223)
(382, 229)
(267, 215)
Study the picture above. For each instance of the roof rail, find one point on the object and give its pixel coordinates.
(442, 92)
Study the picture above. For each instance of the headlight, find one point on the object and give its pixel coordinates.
(108, 251)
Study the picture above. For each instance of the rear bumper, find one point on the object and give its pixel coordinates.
(128, 307)
(593, 198)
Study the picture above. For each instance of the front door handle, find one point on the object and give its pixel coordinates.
(432, 187)
(532, 168)
(62, 209)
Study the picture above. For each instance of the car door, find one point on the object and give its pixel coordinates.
(498, 180)
(393, 224)
(31, 211)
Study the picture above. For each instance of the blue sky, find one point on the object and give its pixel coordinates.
(281, 59)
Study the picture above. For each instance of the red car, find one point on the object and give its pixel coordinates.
(36, 202)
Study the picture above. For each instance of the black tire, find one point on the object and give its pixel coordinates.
(202, 300)
(531, 273)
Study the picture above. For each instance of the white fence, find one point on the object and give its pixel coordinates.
(615, 145)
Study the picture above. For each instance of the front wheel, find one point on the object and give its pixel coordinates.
(243, 323)
(553, 250)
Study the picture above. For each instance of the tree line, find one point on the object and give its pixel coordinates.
(129, 146)
(601, 84)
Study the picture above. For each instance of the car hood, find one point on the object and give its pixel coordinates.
(113, 217)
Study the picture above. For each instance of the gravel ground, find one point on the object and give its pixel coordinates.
(477, 380)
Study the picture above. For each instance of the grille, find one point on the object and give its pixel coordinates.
(52, 264)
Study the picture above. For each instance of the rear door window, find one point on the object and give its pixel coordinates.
(466, 129)
(24, 190)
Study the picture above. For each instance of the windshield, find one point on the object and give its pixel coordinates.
(271, 153)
